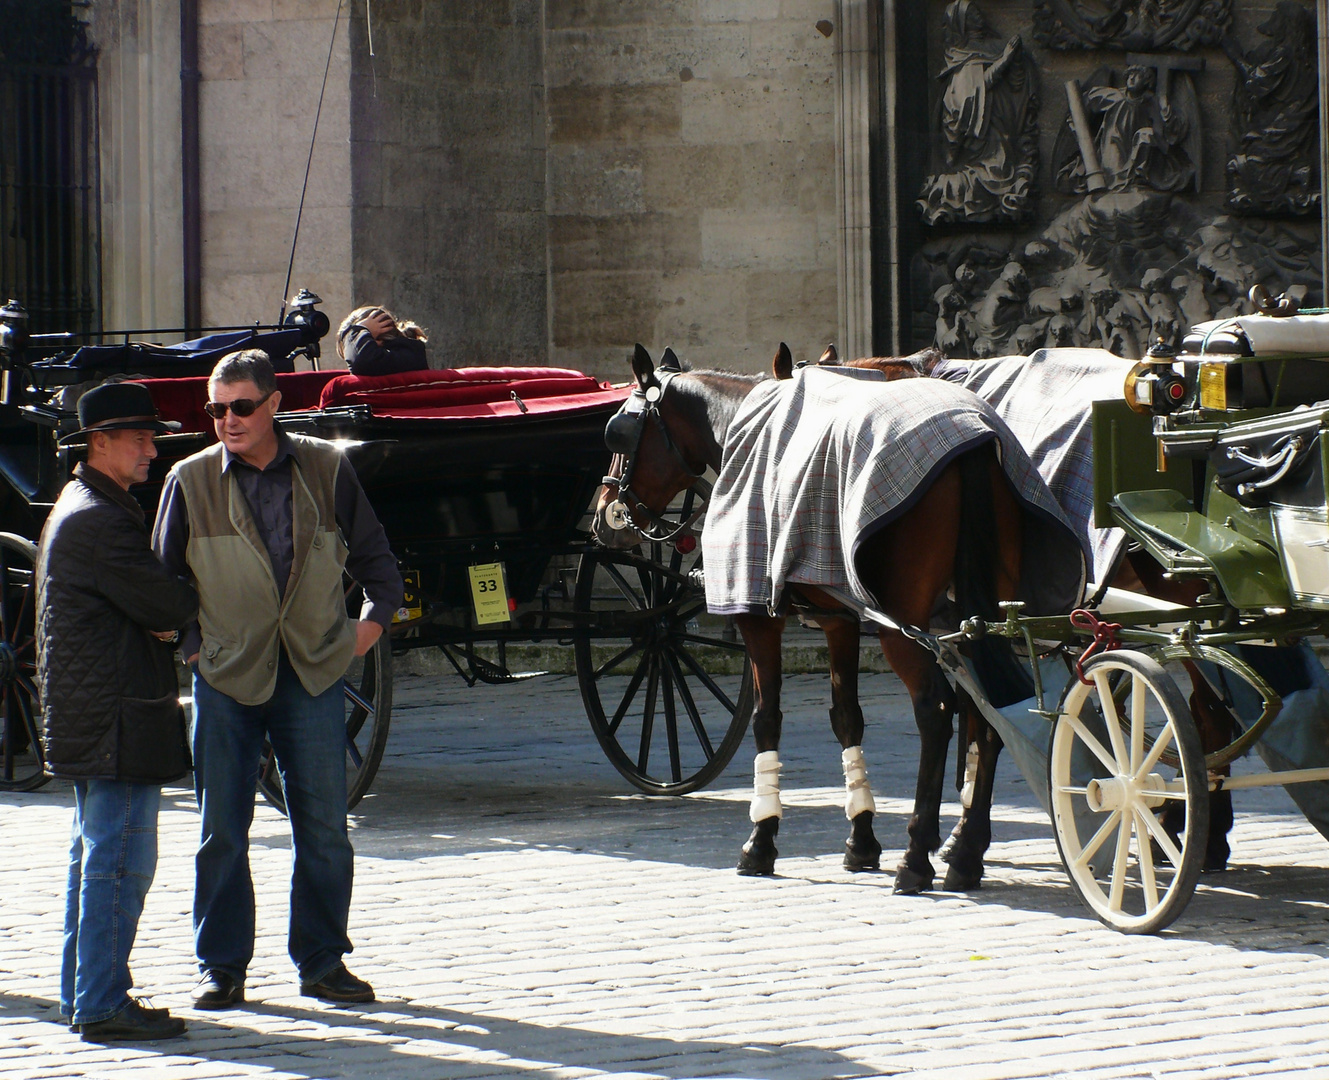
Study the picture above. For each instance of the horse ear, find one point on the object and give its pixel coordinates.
(643, 367)
(830, 356)
(669, 362)
(782, 367)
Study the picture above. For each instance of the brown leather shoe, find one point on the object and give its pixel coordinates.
(340, 987)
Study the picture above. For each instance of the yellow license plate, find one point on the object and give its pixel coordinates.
(489, 593)
(1213, 386)
(412, 607)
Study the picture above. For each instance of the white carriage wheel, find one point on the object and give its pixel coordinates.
(1107, 778)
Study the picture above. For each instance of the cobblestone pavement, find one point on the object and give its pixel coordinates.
(522, 913)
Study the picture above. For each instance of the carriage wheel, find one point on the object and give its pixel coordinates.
(368, 691)
(1109, 776)
(21, 762)
(665, 713)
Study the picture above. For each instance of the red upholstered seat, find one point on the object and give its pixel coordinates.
(183, 399)
(452, 388)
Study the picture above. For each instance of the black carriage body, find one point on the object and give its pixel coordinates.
(454, 492)
(503, 474)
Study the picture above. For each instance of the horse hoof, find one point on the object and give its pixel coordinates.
(910, 882)
(756, 865)
(958, 880)
(856, 862)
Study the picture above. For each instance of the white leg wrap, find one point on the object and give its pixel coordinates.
(857, 793)
(970, 776)
(766, 787)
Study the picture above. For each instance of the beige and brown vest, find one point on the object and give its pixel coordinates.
(244, 619)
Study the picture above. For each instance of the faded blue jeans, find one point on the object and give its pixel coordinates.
(112, 860)
(309, 736)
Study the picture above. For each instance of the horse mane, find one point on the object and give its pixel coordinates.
(741, 376)
(915, 365)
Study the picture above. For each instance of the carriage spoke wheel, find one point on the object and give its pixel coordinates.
(21, 761)
(669, 700)
(1110, 779)
(367, 688)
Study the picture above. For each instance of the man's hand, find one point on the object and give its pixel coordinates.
(192, 660)
(168, 636)
(379, 325)
(366, 633)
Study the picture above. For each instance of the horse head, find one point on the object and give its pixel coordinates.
(661, 445)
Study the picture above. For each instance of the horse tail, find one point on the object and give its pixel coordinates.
(1003, 677)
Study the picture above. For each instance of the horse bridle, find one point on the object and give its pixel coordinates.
(623, 437)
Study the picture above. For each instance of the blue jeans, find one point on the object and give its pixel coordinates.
(309, 736)
(112, 859)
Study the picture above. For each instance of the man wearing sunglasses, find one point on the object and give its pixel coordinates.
(264, 524)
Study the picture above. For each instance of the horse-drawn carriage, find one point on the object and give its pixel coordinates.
(1211, 468)
(482, 478)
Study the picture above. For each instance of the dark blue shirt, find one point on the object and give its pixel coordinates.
(267, 491)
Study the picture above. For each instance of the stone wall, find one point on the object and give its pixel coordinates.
(449, 185)
(262, 64)
(691, 180)
(139, 93)
(535, 182)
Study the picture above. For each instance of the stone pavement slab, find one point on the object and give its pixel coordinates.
(523, 912)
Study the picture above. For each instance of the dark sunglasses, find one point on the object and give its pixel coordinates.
(240, 406)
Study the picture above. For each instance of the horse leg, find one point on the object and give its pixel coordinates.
(973, 833)
(761, 635)
(1216, 725)
(934, 706)
(862, 851)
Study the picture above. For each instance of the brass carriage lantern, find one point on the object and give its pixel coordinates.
(1153, 385)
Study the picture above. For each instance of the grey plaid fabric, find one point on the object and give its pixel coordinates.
(814, 464)
(1046, 400)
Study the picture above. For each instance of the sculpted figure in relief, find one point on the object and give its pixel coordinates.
(1276, 117)
(987, 125)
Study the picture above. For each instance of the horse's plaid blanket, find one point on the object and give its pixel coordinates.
(1045, 398)
(814, 465)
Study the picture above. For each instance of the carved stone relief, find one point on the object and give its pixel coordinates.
(1138, 132)
(987, 120)
(1127, 237)
(1276, 117)
(1129, 24)
(1114, 271)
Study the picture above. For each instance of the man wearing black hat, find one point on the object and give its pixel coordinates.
(112, 717)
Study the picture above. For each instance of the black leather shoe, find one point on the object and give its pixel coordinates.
(134, 1023)
(339, 986)
(218, 990)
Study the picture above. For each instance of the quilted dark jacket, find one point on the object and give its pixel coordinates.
(108, 687)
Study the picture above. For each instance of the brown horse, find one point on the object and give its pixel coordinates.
(1138, 573)
(964, 532)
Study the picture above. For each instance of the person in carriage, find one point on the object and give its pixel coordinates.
(373, 341)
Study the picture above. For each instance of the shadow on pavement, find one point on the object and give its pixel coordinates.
(402, 1040)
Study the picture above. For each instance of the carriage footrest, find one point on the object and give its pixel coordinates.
(1186, 541)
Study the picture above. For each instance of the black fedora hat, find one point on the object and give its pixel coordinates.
(115, 406)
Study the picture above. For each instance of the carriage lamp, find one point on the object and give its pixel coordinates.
(13, 339)
(13, 329)
(306, 316)
(1154, 385)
